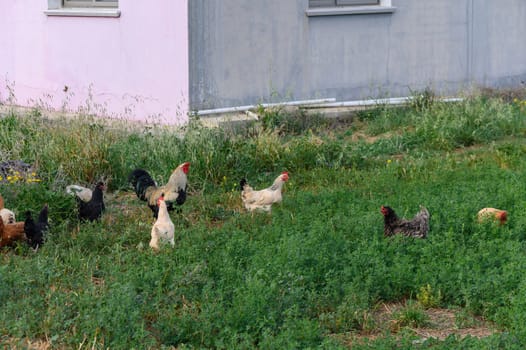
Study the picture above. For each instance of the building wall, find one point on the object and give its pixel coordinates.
(248, 52)
(134, 66)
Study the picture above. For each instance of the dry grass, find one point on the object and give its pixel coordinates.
(507, 95)
(26, 344)
(441, 324)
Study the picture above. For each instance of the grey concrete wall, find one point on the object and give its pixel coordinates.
(248, 52)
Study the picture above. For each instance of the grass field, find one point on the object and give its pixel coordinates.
(316, 273)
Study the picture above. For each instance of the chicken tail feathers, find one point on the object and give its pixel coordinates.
(141, 180)
(73, 189)
(242, 184)
(417, 227)
(43, 216)
(422, 221)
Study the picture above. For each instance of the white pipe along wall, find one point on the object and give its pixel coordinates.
(321, 103)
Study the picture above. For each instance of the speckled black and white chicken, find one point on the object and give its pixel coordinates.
(417, 227)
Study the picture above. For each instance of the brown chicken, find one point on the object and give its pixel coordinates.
(11, 233)
(263, 199)
(501, 216)
(417, 227)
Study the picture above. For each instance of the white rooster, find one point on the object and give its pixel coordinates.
(263, 199)
(163, 229)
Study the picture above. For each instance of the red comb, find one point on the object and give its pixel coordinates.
(185, 167)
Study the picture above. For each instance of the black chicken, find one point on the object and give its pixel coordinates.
(35, 231)
(92, 210)
(417, 227)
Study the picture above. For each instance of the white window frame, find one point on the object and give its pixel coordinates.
(332, 3)
(356, 2)
(90, 3)
(82, 8)
(348, 7)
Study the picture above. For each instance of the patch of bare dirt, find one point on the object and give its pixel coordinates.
(443, 323)
(440, 324)
(362, 136)
(359, 136)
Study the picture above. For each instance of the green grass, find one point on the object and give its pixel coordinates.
(315, 268)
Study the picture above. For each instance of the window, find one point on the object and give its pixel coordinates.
(90, 3)
(83, 8)
(348, 7)
(326, 3)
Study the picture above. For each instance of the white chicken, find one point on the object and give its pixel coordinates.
(7, 215)
(163, 229)
(263, 199)
(83, 193)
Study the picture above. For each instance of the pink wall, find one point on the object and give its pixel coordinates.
(135, 66)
